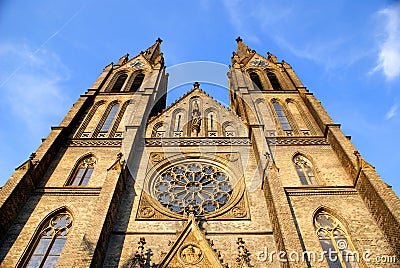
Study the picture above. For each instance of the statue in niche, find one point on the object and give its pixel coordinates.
(196, 120)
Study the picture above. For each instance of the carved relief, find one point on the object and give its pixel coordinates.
(239, 212)
(147, 212)
(190, 254)
(156, 158)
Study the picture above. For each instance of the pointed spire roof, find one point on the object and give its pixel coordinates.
(243, 52)
(153, 53)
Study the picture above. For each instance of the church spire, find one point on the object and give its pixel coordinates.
(153, 54)
(243, 52)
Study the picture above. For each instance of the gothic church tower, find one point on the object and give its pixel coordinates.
(125, 181)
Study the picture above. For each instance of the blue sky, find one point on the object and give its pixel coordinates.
(346, 52)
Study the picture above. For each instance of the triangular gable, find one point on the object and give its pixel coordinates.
(151, 57)
(191, 249)
(246, 57)
(213, 119)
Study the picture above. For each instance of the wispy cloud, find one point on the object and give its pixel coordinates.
(392, 112)
(389, 55)
(32, 85)
(321, 41)
(239, 19)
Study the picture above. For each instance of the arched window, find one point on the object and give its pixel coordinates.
(211, 122)
(48, 245)
(256, 80)
(110, 118)
(158, 130)
(229, 131)
(274, 81)
(282, 117)
(137, 82)
(119, 83)
(335, 242)
(178, 123)
(305, 170)
(83, 172)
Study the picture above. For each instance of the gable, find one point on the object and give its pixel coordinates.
(196, 114)
(191, 249)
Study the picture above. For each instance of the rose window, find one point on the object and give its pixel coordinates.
(204, 187)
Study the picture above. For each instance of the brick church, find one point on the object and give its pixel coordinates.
(271, 181)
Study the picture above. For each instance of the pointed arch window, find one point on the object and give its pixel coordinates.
(274, 81)
(137, 82)
(158, 130)
(256, 80)
(50, 242)
(110, 118)
(282, 117)
(335, 242)
(119, 83)
(83, 172)
(305, 170)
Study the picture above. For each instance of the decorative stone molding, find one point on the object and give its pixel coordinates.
(197, 142)
(69, 190)
(307, 191)
(297, 141)
(95, 142)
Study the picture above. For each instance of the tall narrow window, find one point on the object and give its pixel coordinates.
(335, 242)
(110, 118)
(304, 170)
(119, 83)
(178, 122)
(83, 172)
(256, 80)
(137, 82)
(274, 81)
(282, 117)
(50, 242)
(211, 122)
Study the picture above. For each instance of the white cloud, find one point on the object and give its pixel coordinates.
(392, 112)
(389, 55)
(239, 19)
(297, 28)
(31, 86)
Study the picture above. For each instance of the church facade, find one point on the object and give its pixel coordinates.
(125, 181)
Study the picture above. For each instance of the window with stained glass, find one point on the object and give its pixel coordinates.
(282, 117)
(335, 242)
(110, 118)
(304, 170)
(83, 172)
(50, 242)
(204, 187)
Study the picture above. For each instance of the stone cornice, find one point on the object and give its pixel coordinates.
(196, 141)
(297, 140)
(69, 190)
(320, 190)
(95, 142)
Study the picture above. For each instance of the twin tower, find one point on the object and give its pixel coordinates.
(125, 181)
